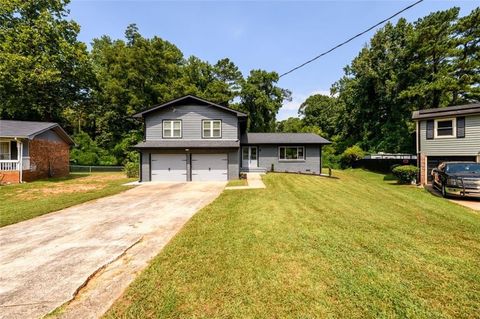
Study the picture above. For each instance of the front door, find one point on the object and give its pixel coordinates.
(249, 157)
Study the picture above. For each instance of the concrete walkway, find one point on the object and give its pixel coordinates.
(254, 181)
(85, 256)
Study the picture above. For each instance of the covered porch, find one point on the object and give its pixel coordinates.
(14, 159)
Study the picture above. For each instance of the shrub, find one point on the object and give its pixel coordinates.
(406, 174)
(351, 154)
(131, 169)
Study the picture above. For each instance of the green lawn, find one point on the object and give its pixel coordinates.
(24, 201)
(238, 182)
(358, 246)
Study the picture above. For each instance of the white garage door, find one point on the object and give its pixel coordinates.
(209, 167)
(169, 167)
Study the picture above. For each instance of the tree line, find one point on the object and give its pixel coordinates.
(430, 63)
(47, 74)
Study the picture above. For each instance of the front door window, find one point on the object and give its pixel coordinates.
(249, 156)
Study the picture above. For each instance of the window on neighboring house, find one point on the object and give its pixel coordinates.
(172, 128)
(445, 128)
(212, 128)
(291, 153)
(5, 151)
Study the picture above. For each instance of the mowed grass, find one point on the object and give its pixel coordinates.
(24, 201)
(358, 246)
(238, 182)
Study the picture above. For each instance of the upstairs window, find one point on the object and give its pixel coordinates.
(211, 128)
(172, 129)
(445, 128)
(291, 153)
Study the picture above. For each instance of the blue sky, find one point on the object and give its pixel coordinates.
(270, 35)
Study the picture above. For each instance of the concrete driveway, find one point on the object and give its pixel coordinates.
(94, 249)
(472, 203)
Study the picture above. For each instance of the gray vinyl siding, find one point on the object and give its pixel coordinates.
(467, 146)
(233, 164)
(191, 116)
(268, 155)
(145, 166)
(49, 136)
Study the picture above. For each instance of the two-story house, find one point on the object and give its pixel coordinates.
(191, 139)
(446, 134)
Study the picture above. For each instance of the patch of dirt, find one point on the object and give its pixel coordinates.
(57, 189)
(103, 177)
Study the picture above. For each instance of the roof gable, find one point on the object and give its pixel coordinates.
(283, 138)
(458, 110)
(186, 100)
(30, 129)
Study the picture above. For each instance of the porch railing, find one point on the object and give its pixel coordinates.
(9, 165)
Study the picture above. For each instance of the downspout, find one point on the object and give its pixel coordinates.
(20, 159)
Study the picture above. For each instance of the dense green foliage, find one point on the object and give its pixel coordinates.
(46, 74)
(432, 62)
(405, 174)
(350, 155)
(44, 69)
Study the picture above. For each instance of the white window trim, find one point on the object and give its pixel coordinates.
(171, 129)
(211, 129)
(454, 128)
(291, 160)
(9, 151)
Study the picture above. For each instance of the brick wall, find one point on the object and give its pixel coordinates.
(47, 159)
(7, 177)
(423, 168)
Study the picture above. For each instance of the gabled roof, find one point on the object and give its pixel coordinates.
(186, 99)
(458, 110)
(30, 129)
(283, 138)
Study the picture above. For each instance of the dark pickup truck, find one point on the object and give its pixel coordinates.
(457, 179)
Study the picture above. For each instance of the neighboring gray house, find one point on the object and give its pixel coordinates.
(446, 134)
(191, 139)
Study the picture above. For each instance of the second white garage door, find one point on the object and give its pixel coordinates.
(209, 167)
(169, 167)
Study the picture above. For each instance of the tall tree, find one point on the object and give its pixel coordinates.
(131, 76)
(466, 60)
(432, 47)
(321, 111)
(44, 69)
(261, 98)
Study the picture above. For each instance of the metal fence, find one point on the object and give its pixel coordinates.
(94, 169)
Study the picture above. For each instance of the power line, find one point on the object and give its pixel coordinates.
(350, 39)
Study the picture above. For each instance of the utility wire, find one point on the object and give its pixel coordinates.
(350, 39)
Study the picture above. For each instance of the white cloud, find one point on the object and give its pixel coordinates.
(290, 108)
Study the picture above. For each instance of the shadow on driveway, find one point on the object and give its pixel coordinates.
(472, 203)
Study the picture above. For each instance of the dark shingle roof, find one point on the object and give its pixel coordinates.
(189, 98)
(30, 129)
(283, 138)
(467, 109)
(188, 144)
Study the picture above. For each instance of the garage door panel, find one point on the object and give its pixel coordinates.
(169, 167)
(209, 167)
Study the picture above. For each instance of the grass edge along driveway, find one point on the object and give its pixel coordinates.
(19, 202)
(309, 247)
